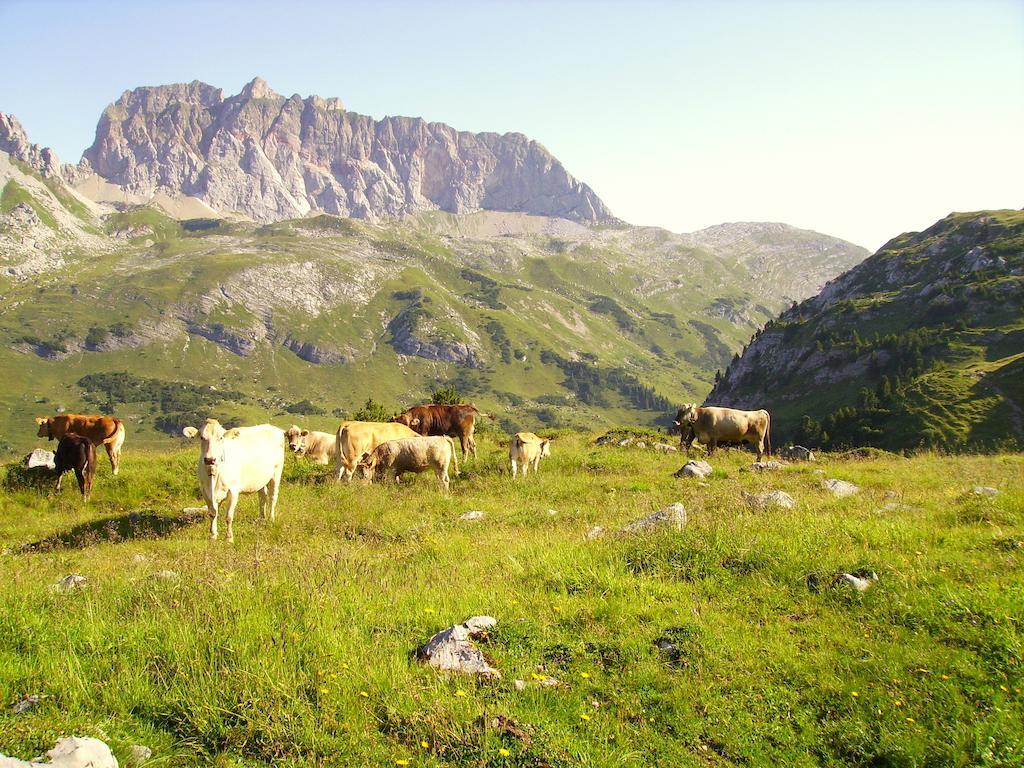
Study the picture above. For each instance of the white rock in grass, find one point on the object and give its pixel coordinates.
(452, 649)
(665, 448)
(766, 466)
(984, 490)
(840, 488)
(71, 752)
(694, 469)
(672, 516)
(164, 576)
(138, 754)
(763, 501)
(193, 511)
(26, 704)
(860, 583)
(69, 583)
(594, 533)
(40, 457)
(520, 685)
(552, 513)
(473, 514)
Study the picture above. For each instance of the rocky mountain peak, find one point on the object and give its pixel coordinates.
(14, 141)
(273, 158)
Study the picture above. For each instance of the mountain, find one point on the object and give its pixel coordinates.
(165, 312)
(271, 157)
(922, 344)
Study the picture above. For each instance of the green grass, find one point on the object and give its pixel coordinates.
(14, 194)
(259, 653)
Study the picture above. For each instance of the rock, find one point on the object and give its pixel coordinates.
(672, 516)
(552, 513)
(138, 754)
(624, 442)
(14, 141)
(26, 704)
(70, 583)
(164, 575)
(665, 448)
(452, 649)
(473, 514)
(275, 158)
(139, 558)
(984, 490)
(604, 440)
(594, 533)
(641, 444)
(694, 469)
(840, 488)
(40, 457)
(766, 466)
(860, 583)
(70, 752)
(520, 685)
(192, 511)
(797, 453)
(762, 501)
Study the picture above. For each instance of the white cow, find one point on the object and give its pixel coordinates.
(321, 447)
(235, 461)
(391, 459)
(526, 450)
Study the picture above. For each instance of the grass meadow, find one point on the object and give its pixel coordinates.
(721, 645)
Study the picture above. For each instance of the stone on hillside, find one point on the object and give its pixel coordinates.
(473, 514)
(641, 444)
(138, 754)
(604, 440)
(766, 466)
(70, 752)
(164, 576)
(840, 488)
(797, 453)
(594, 533)
(859, 582)
(40, 457)
(984, 490)
(191, 511)
(665, 448)
(26, 704)
(70, 583)
(763, 501)
(520, 685)
(694, 469)
(452, 649)
(552, 513)
(625, 441)
(672, 516)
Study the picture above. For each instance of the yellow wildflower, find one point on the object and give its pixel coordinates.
(504, 752)
(460, 693)
(584, 675)
(584, 717)
(425, 744)
(401, 762)
(854, 694)
(364, 694)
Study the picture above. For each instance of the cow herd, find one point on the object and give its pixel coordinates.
(250, 459)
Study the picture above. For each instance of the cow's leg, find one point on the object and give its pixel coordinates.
(212, 508)
(232, 500)
(442, 475)
(80, 477)
(274, 487)
(264, 497)
(712, 444)
(515, 468)
(472, 445)
(760, 449)
(60, 476)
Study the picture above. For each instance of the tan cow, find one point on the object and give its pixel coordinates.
(236, 461)
(526, 450)
(391, 459)
(358, 438)
(712, 425)
(101, 430)
(321, 447)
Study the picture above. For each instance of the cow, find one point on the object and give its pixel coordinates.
(713, 425)
(355, 439)
(101, 430)
(391, 459)
(236, 461)
(321, 447)
(526, 450)
(75, 452)
(451, 420)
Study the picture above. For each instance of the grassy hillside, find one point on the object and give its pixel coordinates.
(293, 647)
(542, 321)
(921, 344)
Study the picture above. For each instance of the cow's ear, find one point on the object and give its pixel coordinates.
(231, 434)
(190, 432)
(304, 432)
(414, 422)
(41, 420)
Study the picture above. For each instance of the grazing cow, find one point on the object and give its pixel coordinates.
(526, 450)
(452, 420)
(101, 430)
(722, 425)
(357, 438)
(236, 461)
(75, 452)
(321, 447)
(391, 459)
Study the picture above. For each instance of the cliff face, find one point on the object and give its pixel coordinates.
(273, 158)
(14, 141)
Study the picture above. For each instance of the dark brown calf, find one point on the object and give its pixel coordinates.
(444, 420)
(77, 453)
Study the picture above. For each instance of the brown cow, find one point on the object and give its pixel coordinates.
(101, 430)
(713, 425)
(77, 453)
(444, 420)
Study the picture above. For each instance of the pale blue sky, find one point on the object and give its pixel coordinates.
(859, 119)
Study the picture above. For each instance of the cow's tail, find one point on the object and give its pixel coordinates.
(768, 434)
(339, 447)
(116, 434)
(90, 462)
(455, 456)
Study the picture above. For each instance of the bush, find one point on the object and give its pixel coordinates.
(373, 411)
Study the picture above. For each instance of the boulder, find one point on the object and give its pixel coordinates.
(473, 514)
(672, 516)
(797, 453)
(984, 490)
(70, 752)
(27, 704)
(594, 533)
(694, 469)
(840, 488)
(164, 576)
(861, 583)
(138, 754)
(766, 466)
(452, 649)
(665, 448)
(70, 583)
(40, 457)
(762, 501)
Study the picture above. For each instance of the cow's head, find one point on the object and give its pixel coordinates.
(296, 439)
(687, 415)
(367, 467)
(45, 424)
(408, 419)
(212, 437)
(545, 448)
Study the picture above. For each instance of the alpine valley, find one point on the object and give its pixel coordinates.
(255, 253)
